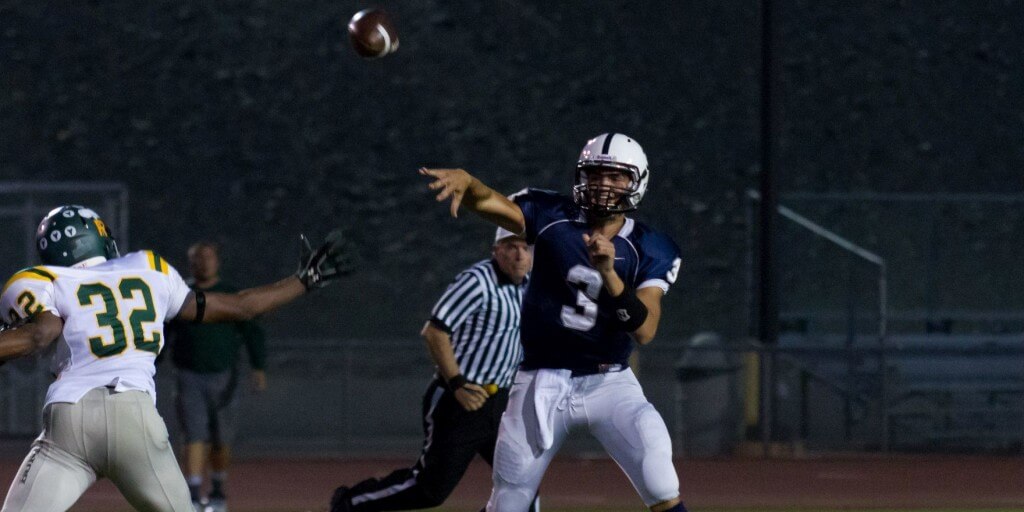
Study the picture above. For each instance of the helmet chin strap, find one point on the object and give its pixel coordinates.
(601, 216)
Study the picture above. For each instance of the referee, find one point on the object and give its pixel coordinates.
(473, 338)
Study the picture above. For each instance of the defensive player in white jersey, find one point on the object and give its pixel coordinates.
(107, 312)
(598, 279)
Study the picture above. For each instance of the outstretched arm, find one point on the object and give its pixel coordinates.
(244, 305)
(464, 189)
(317, 268)
(27, 338)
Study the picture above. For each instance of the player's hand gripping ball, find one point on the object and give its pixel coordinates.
(372, 33)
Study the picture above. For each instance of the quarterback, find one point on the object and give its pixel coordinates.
(598, 280)
(106, 313)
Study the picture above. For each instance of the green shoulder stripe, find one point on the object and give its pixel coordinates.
(37, 273)
(41, 272)
(156, 262)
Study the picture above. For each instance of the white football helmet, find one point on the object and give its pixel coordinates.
(611, 151)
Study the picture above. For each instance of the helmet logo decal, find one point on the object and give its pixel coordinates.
(101, 228)
(55, 235)
(42, 244)
(70, 231)
(68, 213)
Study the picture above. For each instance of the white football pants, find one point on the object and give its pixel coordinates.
(611, 405)
(117, 435)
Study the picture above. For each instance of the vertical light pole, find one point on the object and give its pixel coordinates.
(768, 311)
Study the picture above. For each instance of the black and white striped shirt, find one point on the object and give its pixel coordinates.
(481, 312)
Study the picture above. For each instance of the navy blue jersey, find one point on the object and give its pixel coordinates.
(566, 320)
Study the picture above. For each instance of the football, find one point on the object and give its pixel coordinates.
(372, 33)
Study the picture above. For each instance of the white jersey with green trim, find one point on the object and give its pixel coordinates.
(114, 314)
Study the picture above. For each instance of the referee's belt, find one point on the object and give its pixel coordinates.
(590, 369)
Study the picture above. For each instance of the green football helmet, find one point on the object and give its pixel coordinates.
(71, 234)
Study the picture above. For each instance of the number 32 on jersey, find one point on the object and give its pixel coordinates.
(109, 316)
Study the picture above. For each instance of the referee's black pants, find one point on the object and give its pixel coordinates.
(453, 436)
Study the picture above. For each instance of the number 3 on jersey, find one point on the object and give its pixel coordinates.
(108, 317)
(583, 315)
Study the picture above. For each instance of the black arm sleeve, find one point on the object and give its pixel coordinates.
(628, 311)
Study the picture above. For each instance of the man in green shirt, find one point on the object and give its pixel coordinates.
(206, 357)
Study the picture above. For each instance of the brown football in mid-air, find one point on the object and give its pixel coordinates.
(372, 33)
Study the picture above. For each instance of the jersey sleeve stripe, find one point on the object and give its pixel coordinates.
(30, 273)
(437, 322)
(657, 283)
(39, 271)
(156, 262)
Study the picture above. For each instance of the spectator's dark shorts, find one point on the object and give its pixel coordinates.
(207, 406)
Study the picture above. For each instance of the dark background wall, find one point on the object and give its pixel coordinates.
(249, 122)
